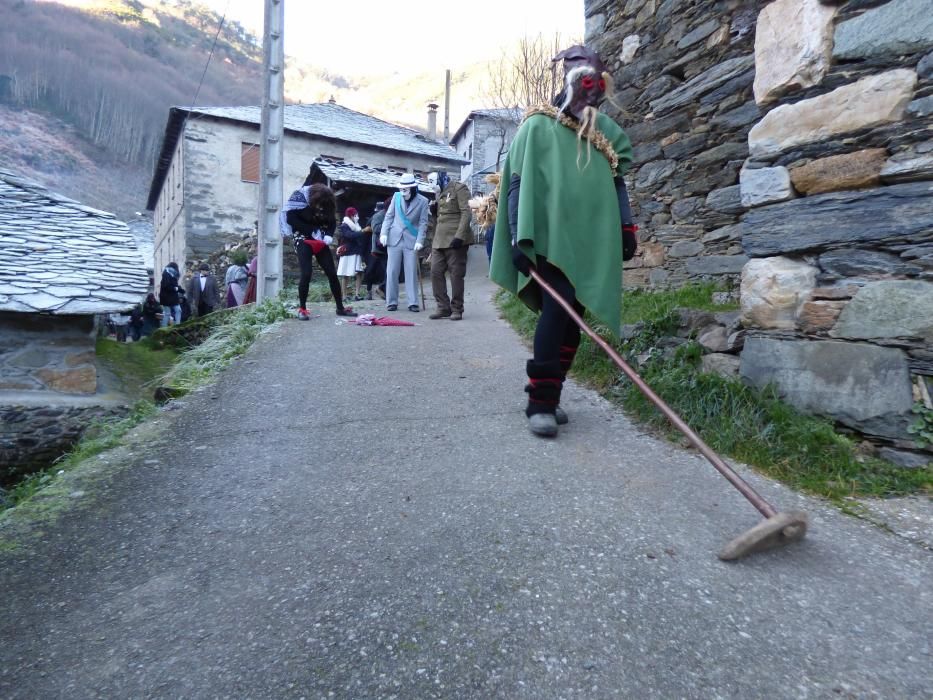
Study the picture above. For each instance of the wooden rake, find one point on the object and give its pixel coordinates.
(777, 529)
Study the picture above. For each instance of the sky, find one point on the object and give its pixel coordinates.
(380, 36)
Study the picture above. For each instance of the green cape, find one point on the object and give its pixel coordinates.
(568, 212)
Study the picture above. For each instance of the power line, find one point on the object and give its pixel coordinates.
(223, 18)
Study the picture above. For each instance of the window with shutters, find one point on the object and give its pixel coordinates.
(249, 162)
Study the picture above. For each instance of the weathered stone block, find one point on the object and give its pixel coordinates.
(816, 316)
(889, 309)
(81, 380)
(720, 363)
(714, 339)
(921, 108)
(838, 219)
(655, 173)
(725, 233)
(844, 291)
(630, 46)
(652, 254)
(895, 28)
(698, 34)
(871, 101)
(851, 382)
(772, 291)
(685, 249)
(703, 83)
(856, 262)
(793, 44)
(716, 265)
(908, 169)
(849, 171)
(760, 186)
(726, 199)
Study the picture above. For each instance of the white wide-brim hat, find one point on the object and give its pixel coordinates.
(408, 180)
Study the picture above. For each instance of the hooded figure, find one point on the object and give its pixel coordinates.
(562, 206)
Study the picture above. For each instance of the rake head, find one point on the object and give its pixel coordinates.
(776, 531)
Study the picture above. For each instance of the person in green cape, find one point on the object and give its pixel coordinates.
(569, 218)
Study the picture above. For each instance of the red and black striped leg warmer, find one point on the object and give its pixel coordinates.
(543, 388)
(567, 353)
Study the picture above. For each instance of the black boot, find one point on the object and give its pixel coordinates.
(543, 388)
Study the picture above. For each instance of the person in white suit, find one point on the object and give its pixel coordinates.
(403, 232)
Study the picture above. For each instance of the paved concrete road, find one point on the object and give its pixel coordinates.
(360, 513)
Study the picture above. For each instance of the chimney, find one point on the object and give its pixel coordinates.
(432, 121)
(332, 101)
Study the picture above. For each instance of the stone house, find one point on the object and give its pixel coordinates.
(483, 139)
(787, 147)
(63, 263)
(205, 190)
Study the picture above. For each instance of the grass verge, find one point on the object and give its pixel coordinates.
(745, 423)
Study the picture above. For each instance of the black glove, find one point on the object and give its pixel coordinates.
(521, 261)
(456, 244)
(629, 241)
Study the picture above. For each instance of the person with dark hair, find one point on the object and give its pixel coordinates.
(310, 215)
(564, 212)
(350, 266)
(203, 294)
(168, 295)
(151, 312)
(376, 265)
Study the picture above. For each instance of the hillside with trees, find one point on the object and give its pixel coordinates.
(86, 86)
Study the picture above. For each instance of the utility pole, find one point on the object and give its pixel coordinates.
(270, 152)
(447, 107)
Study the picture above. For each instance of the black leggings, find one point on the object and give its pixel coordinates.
(555, 327)
(326, 260)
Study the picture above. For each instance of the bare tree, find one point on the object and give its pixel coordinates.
(522, 76)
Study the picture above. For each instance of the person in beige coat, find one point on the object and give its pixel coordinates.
(452, 238)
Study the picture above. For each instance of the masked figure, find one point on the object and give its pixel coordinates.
(310, 215)
(402, 235)
(564, 211)
(452, 238)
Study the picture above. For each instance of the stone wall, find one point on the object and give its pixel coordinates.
(33, 437)
(791, 142)
(48, 387)
(42, 353)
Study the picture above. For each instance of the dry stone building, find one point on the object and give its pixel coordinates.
(788, 146)
(205, 190)
(63, 264)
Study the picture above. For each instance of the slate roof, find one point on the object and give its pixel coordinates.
(513, 114)
(62, 257)
(361, 174)
(323, 120)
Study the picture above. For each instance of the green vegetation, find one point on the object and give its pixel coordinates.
(137, 365)
(100, 436)
(922, 427)
(229, 337)
(746, 424)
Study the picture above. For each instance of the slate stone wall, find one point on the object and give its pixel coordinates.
(790, 144)
(33, 437)
(47, 382)
(47, 354)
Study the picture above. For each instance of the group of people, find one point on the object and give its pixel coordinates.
(561, 214)
(388, 248)
(201, 294)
